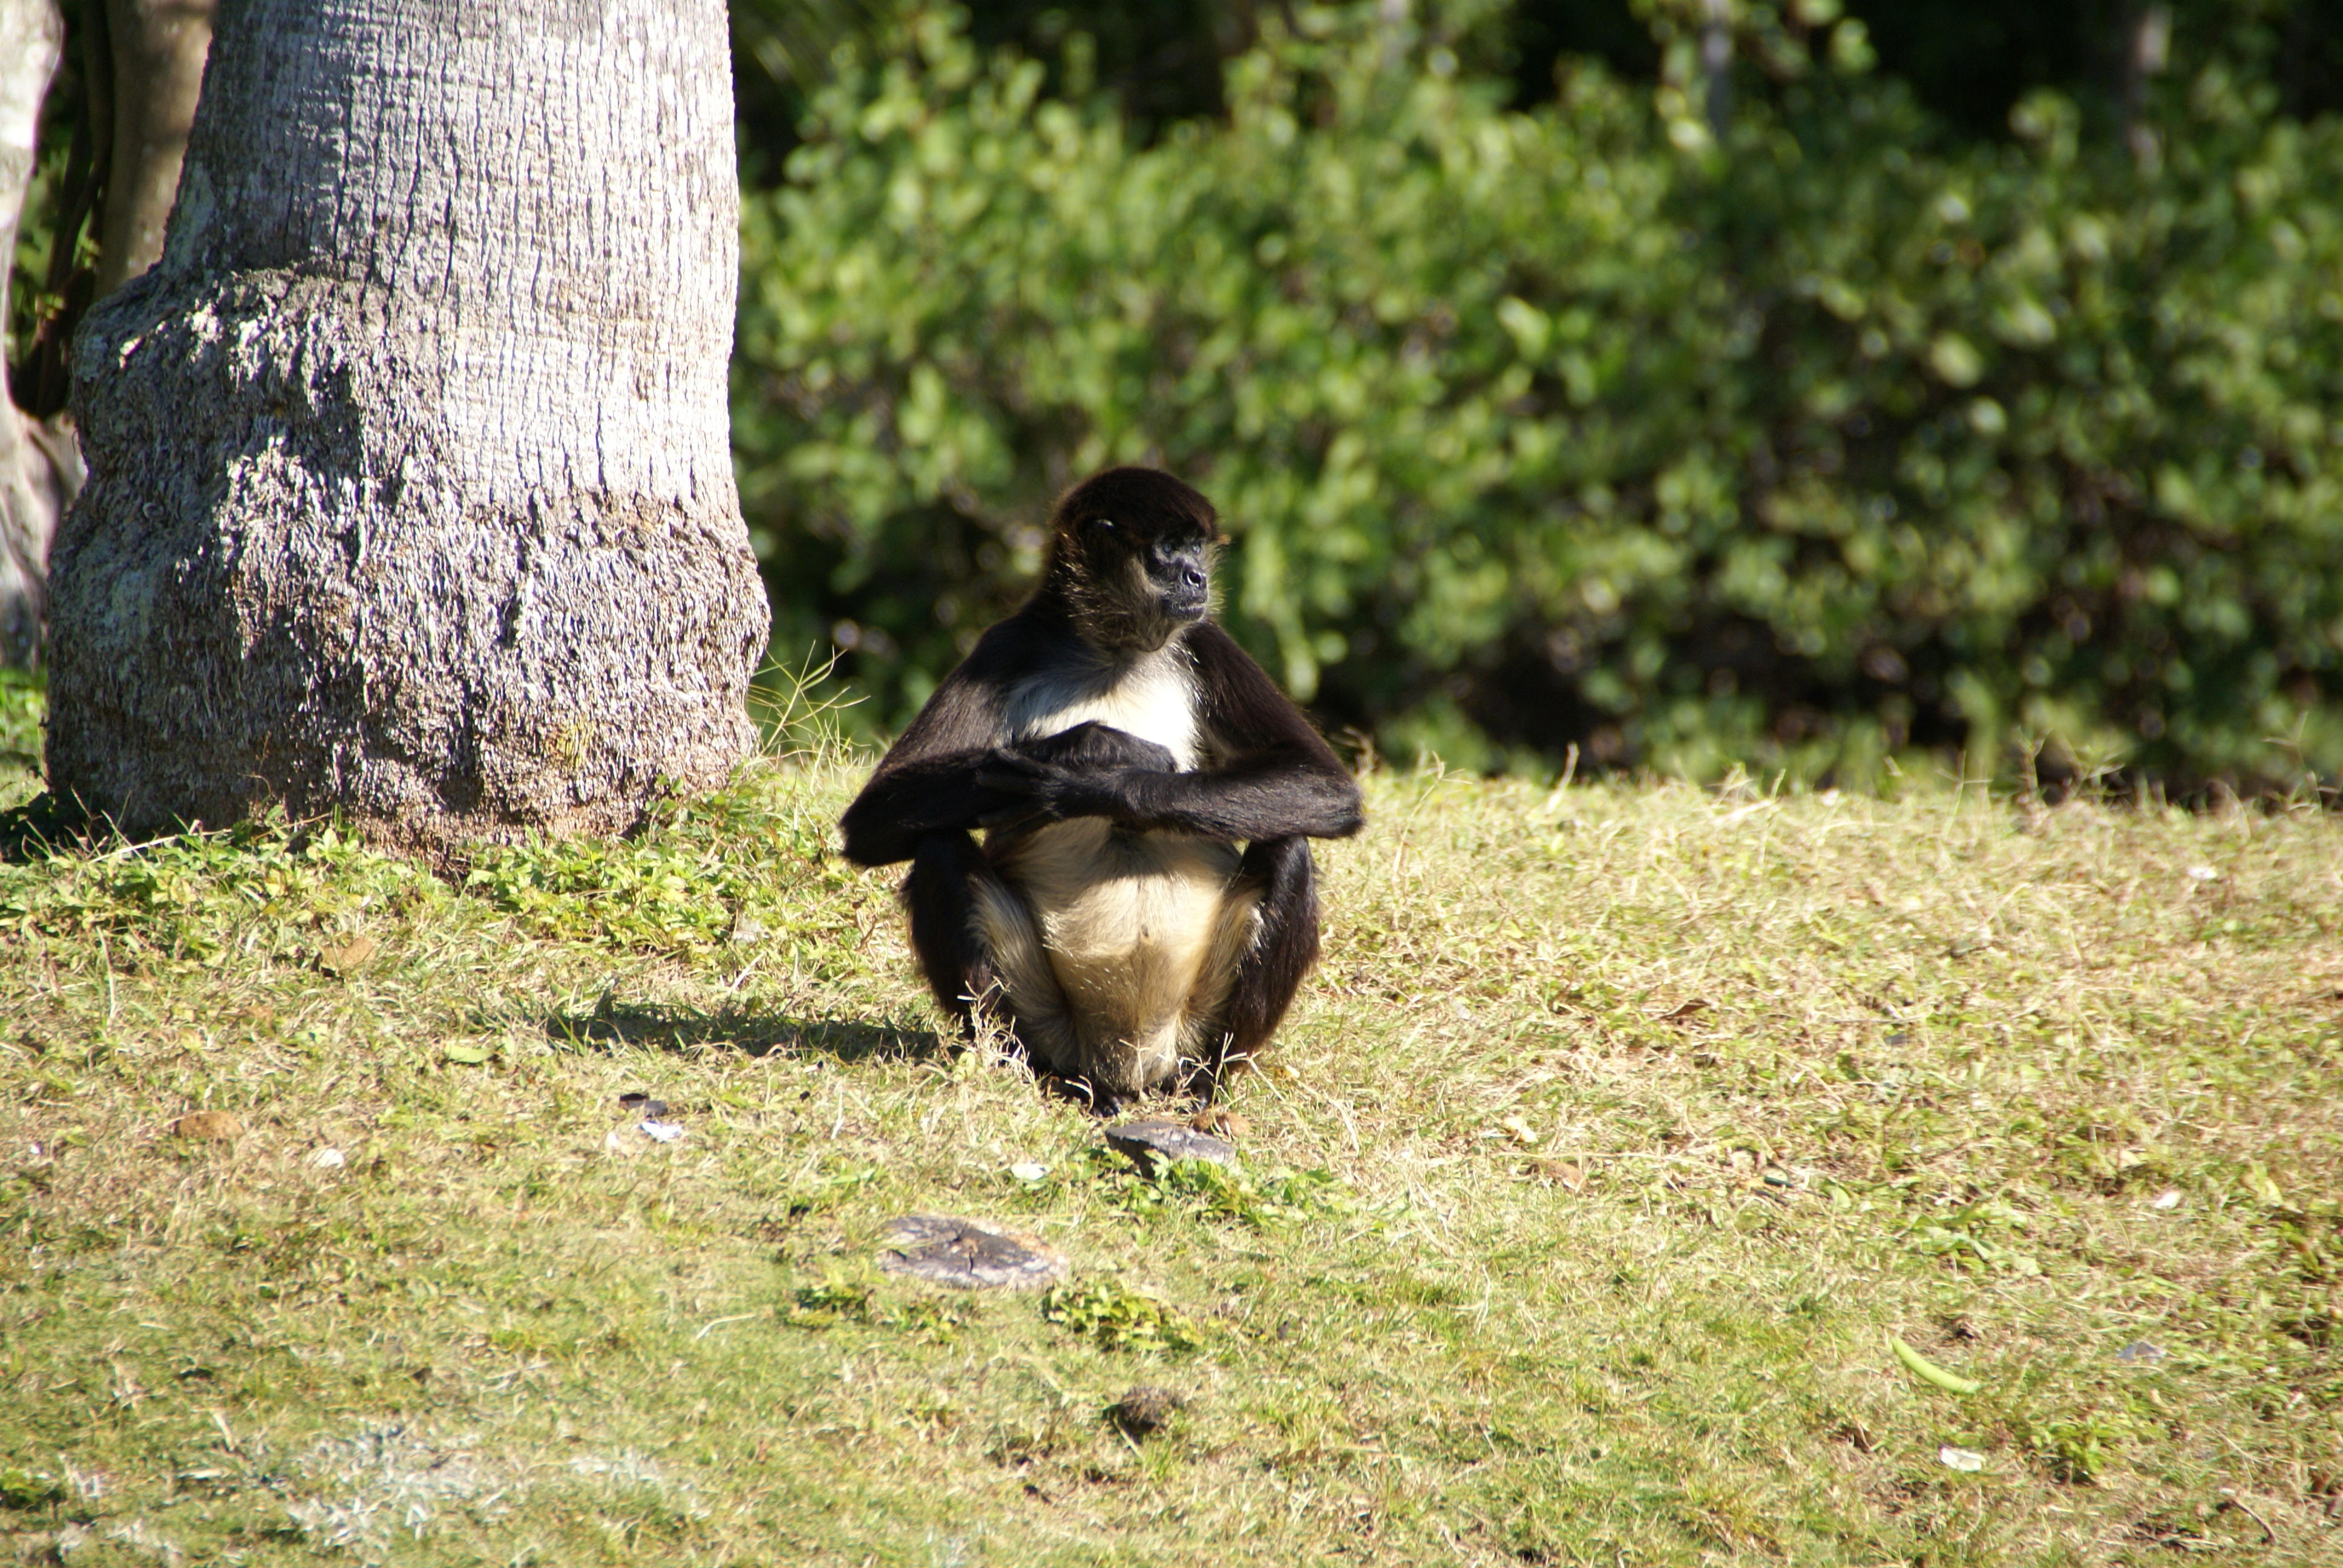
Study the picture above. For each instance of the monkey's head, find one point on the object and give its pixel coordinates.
(1132, 552)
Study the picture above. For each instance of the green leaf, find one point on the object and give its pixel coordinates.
(1928, 1372)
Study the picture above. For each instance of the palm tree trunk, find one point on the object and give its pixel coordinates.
(37, 473)
(158, 48)
(410, 491)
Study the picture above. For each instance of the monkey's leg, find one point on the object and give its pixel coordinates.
(1285, 946)
(979, 950)
(1028, 985)
(940, 898)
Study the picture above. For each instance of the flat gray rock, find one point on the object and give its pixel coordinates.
(1156, 1140)
(968, 1254)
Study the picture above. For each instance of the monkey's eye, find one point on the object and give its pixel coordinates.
(1104, 524)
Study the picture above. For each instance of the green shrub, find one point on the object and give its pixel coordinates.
(1576, 428)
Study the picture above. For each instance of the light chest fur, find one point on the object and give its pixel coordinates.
(1136, 934)
(1154, 699)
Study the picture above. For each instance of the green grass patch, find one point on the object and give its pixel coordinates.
(1619, 1131)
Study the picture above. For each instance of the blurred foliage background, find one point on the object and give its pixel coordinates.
(1827, 386)
(1689, 382)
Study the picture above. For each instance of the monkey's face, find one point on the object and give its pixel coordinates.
(1178, 573)
(1133, 557)
(1147, 584)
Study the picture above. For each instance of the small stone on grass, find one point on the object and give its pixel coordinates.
(1156, 1140)
(968, 1254)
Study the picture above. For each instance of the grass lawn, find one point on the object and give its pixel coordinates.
(1617, 1133)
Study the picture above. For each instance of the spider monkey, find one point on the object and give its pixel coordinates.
(1116, 747)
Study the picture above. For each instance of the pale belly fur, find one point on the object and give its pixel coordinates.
(1129, 923)
(1139, 932)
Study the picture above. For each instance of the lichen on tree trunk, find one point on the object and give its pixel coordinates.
(410, 488)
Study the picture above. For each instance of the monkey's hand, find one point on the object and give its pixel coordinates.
(1084, 771)
(1093, 747)
(1036, 790)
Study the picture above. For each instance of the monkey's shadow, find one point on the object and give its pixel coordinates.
(684, 1031)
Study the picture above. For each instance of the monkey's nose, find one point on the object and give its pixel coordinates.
(1193, 577)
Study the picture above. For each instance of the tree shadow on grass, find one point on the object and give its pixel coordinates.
(684, 1030)
(46, 825)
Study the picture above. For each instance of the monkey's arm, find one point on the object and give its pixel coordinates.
(926, 782)
(1274, 777)
(896, 809)
(1091, 755)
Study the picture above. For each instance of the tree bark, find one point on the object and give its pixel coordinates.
(158, 71)
(154, 50)
(38, 473)
(410, 490)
